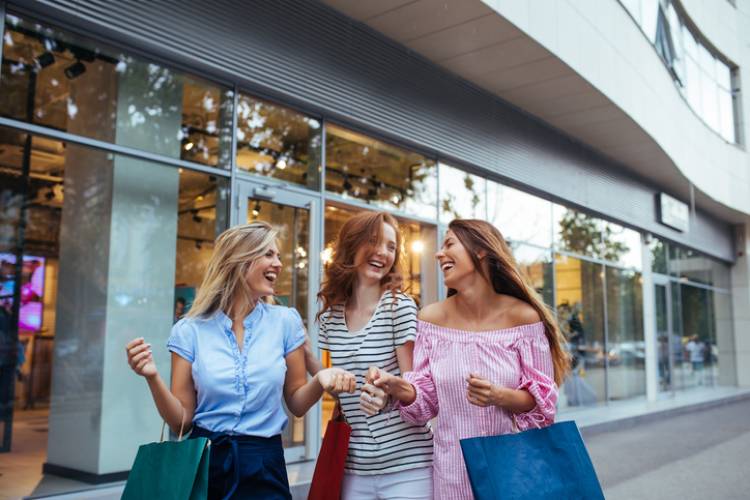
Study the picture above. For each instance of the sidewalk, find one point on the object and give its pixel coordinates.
(612, 417)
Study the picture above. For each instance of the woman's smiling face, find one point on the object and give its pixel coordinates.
(454, 260)
(375, 261)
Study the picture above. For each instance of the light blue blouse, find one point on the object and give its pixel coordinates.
(239, 392)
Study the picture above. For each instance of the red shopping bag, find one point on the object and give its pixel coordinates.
(329, 469)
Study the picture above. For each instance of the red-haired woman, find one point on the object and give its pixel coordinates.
(488, 359)
(366, 320)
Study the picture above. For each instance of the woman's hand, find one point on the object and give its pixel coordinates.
(482, 393)
(372, 399)
(140, 358)
(336, 381)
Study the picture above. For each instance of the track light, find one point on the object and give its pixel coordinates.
(197, 218)
(256, 209)
(347, 184)
(75, 70)
(46, 59)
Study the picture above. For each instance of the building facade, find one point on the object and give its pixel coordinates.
(605, 139)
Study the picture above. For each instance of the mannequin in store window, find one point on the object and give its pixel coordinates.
(235, 359)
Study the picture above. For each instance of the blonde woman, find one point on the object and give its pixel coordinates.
(233, 357)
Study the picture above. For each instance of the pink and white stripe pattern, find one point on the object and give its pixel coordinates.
(517, 357)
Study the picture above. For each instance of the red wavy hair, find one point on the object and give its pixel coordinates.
(363, 229)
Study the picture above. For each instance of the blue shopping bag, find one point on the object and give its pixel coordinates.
(551, 462)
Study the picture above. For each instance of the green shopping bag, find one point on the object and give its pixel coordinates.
(172, 470)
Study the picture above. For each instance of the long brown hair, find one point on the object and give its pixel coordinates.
(363, 229)
(505, 278)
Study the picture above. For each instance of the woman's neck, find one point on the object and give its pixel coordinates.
(364, 295)
(476, 299)
(240, 309)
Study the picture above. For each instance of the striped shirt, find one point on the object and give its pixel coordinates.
(517, 357)
(380, 443)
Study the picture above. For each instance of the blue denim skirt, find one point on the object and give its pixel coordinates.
(245, 467)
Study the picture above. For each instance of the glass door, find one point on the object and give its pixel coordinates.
(297, 215)
(668, 334)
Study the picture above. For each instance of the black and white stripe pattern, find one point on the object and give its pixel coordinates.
(382, 443)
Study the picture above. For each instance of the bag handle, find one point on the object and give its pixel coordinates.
(182, 426)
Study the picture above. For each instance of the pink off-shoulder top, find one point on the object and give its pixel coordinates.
(517, 357)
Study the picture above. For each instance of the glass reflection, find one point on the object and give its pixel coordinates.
(701, 352)
(277, 142)
(626, 349)
(462, 195)
(98, 262)
(58, 80)
(580, 312)
(520, 216)
(381, 174)
(536, 264)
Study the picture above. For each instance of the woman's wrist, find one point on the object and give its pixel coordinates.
(499, 396)
(405, 392)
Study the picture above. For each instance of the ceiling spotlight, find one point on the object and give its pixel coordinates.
(75, 70)
(46, 59)
(256, 209)
(281, 164)
(189, 146)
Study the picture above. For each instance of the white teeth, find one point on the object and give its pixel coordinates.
(377, 264)
(271, 276)
(446, 266)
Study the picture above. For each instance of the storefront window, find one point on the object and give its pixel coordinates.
(579, 286)
(520, 217)
(462, 195)
(621, 245)
(277, 142)
(626, 349)
(381, 174)
(658, 256)
(114, 247)
(536, 264)
(61, 81)
(687, 264)
(580, 233)
(701, 350)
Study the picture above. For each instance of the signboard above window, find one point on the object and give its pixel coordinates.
(673, 213)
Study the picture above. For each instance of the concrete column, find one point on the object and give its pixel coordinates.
(649, 324)
(741, 304)
(117, 268)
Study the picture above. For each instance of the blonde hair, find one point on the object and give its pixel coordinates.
(224, 282)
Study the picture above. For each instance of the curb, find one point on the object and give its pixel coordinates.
(633, 421)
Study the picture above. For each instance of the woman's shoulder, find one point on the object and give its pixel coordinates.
(282, 312)
(434, 313)
(399, 297)
(521, 313)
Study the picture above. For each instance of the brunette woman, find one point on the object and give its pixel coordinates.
(488, 360)
(366, 320)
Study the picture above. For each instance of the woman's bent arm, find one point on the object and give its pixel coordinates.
(300, 394)
(178, 403)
